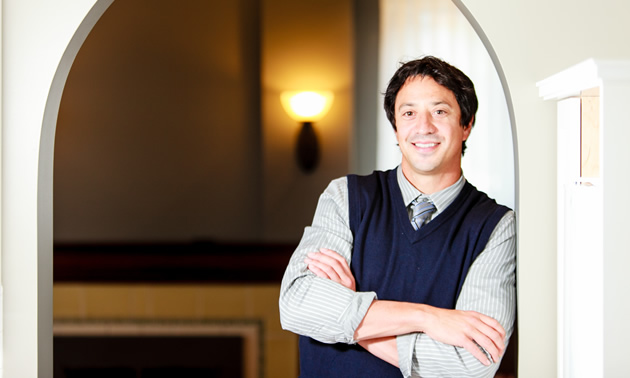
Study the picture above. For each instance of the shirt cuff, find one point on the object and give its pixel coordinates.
(355, 313)
(406, 345)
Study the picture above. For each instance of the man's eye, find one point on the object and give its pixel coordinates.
(408, 113)
(440, 112)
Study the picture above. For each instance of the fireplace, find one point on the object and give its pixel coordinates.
(157, 349)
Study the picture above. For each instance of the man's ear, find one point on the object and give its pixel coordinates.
(468, 128)
(470, 124)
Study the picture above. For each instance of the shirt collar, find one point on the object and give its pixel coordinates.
(441, 199)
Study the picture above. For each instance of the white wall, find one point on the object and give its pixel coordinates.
(306, 45)
(36, 34)
(534, 39)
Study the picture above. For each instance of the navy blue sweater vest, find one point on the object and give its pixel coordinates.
(398, 263)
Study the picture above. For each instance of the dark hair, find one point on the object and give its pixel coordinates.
(444, 74)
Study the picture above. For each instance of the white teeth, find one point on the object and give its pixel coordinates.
(425, 145)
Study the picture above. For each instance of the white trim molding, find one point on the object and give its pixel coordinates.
(592, 212)
(587, 74)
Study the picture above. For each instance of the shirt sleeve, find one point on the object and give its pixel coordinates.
(316, 307)
(489, 288)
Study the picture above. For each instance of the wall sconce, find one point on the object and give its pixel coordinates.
(307, 107)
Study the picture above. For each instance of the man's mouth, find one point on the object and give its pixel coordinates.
(424, 145)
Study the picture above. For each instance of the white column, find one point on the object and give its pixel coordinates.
(40, 40)
(592, 241)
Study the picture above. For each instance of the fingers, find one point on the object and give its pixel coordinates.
(476, 351)
(329, 264)
(322, 269)
(489, 335)
(313, 267)
(492, 337)
(494, 324)
(484, 348)
(334, 255)
(479, 334)
(339, 263)
(329, 261)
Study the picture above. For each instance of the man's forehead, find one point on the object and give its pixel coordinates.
(439, 94)
(425, 79)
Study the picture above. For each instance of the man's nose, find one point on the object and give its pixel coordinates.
(424, 123)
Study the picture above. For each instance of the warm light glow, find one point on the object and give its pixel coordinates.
(307, 106)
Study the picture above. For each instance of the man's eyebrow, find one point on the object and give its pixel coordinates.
(434, 103)
(411, 104)
(442, 102)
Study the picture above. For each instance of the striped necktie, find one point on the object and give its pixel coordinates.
(421, 208)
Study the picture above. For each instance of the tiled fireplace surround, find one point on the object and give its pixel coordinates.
(137, 308)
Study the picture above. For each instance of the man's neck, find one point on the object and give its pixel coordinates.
(432, 183)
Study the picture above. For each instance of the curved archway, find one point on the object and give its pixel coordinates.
(52, 106)
(44, 187)
(506, 90)
(508, 98)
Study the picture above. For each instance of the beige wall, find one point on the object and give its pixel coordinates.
(161, 135)
(158, 136)
(305, 45)
(533, 40)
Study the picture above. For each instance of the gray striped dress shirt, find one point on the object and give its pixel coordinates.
(330, 313)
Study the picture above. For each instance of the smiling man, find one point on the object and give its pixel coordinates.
(407, 272)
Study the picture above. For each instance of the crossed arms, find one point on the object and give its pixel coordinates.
(318, 300)
(386, 319)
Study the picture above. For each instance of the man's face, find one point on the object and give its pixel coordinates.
(428, 130)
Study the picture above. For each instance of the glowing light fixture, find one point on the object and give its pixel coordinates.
(307, 107)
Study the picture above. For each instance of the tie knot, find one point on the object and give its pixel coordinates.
(421, 208)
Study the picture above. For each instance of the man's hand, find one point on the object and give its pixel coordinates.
(468, 329)
(329, 264)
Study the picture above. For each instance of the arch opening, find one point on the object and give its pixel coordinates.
(45, 174)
